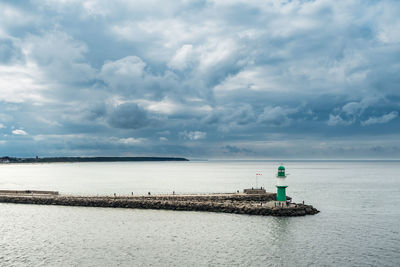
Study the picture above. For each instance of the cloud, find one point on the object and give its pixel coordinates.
(231, 118)
(195, 135)
(21, 83)
(90, 77)
(9, 51)
(11, 18)
(125, 73)
(251, 79)
(235, 150)
(191, 108)
(19, 132)
(335, 120)
(276, 116)
(351, 112)
(128, 116)
(131, 141)
(60, 55)
(129, 76)
(182, 58)
(382, 119)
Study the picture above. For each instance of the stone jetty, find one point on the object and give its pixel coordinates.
(251, 204)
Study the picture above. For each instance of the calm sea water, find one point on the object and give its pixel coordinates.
(359, 223)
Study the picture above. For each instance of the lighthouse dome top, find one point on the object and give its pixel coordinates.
(281, 171)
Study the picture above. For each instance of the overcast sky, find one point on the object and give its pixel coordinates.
(200, 79)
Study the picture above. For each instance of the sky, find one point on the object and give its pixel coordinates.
(240, 79)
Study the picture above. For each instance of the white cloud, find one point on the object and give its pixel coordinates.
(131, 141)
(88, 138)
(380, 120)
(357, 108)
(351, 112)
(126, 67)
(337, 120)
(19, 132)
(217, 51)
(195, 135)
(388, 25)
(182, 58)
(47, 137)
(171, 107)
(21, 83)
(253, 79)
(353, 108)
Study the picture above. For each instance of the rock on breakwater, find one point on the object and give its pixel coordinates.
(228, 203)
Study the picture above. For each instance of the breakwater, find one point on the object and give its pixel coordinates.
(262, 204)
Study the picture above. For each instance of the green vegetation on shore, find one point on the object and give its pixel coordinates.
(86, 159)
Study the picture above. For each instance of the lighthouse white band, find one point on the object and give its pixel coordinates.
(281, 182)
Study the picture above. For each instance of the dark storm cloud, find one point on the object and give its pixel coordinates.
(128, 116)
(201, 78)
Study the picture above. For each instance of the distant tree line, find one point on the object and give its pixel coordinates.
(7, 159)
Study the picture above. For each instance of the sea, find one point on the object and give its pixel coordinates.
(358, 225)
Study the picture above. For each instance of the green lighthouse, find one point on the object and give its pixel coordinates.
(281, 184)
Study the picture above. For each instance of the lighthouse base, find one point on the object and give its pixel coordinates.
(281, 193)
(282, 204)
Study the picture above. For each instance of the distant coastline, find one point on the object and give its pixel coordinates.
(7, 159)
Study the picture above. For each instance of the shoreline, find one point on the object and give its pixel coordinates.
(235, 203)
(13, 160)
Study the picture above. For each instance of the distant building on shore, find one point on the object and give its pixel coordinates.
(5, 160)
